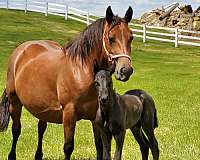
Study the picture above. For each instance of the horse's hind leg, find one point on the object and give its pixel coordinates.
(41, 129)
(141, 139)
(15, 111)
(152, 142)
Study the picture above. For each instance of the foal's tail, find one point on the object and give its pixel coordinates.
(4, 112)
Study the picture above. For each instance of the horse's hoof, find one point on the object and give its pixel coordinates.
(12, 156)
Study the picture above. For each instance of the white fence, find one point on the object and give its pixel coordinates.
(49, 8)
(173, 35)
(165, 34)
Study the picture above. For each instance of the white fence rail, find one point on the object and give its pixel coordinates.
(49, 8)
(165, 34)
(172, 35)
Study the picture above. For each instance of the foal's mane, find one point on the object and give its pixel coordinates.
(89, 39)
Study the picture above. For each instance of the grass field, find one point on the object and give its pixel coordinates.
(171, 75)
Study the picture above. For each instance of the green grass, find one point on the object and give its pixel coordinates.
(171, 75)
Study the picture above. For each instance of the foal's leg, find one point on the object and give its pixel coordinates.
(15, 111)
(98, 141)
(119, 138)
(141, 139)
(41, 129)
(106, 139)
(69, 124)
(153, 144)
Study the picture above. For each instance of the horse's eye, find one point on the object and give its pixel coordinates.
(111, 40)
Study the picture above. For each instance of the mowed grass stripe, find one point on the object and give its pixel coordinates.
(171, 75)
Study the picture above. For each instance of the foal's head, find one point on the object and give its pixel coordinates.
(117, 38)
(104, 86)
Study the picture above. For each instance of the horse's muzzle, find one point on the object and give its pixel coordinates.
(123, 74)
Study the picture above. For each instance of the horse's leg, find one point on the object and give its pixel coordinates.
(15, 111)
(153, 144)
(98, 141)
(142, 141)
(106, 139)
(119, 138)
(41, 129)
(69, 124)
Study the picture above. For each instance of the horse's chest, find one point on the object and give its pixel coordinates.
(86, 107)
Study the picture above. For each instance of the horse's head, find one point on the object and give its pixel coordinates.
(117, 38)
(104, 86)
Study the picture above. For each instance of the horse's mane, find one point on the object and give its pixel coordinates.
(88, 40)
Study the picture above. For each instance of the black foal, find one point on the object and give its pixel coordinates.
(135, 110)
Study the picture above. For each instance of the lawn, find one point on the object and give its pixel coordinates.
(171, 75)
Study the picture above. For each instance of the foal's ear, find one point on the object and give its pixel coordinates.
(128, 15)
(95, 68)
(109, 15)
(112, 69)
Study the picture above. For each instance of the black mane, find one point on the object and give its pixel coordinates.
(88, 40)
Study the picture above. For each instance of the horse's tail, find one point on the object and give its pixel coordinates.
(4, 112)
(155, 119)
(148, 102)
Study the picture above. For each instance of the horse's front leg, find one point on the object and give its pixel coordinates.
(69, 124)
(41, 129)
(106, 140)
(119, 138)
(98, 140)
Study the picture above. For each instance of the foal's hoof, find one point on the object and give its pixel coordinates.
(38, 156)
(12, 156)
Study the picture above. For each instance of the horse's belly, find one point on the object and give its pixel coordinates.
(48, 114)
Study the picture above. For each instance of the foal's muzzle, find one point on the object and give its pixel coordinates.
(104, 100)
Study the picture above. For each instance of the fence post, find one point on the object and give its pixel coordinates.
(46, 13)
(176, 37)
(7, 4)
(25, 10)
(144, 33)
(88, 20)
(66, 13)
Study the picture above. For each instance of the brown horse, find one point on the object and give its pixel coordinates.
(56, 84)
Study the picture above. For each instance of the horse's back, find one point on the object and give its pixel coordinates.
(24, 54)
(142, 94)
(32, 71)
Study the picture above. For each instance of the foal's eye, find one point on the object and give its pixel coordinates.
(96, 84)
(111, 40)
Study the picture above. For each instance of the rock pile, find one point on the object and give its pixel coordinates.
(175, 15)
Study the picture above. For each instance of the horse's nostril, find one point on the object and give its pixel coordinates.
(104, 100)
(123, 70)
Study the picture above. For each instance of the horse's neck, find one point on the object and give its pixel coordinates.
(112, 107)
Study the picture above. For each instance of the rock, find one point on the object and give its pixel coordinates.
(173, 16)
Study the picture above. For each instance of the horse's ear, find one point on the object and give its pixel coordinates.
(128, 15)
(112, 68)
(109, 15)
